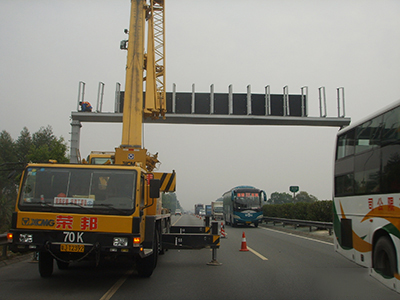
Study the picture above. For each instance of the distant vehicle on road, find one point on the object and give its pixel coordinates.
(197, 208)
(208, 210)
(217, 209)
(202, 212)
(178, 212)
(243, 205)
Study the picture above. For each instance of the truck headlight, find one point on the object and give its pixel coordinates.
(120, 242)
(25, 238)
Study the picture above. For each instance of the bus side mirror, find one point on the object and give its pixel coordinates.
(265, 196)
(155, 185)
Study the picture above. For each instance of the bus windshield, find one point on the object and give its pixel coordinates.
(244, 200)
(69, 189)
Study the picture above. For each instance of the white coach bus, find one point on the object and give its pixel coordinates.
(367, 194)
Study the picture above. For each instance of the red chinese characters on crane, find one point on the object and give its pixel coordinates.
(66, 222)
(88, 223)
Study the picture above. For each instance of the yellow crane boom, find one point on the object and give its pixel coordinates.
(141, 66)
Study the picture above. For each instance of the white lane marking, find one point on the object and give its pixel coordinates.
(256, 253)
(299, 236)
(177, 220)
(116, 286)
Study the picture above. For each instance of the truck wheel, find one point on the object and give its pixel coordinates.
(256, 224)
(45, 264)
(146, 265)
(161, 250)
(385, 257)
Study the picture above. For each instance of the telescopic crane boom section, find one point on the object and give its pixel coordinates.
(141, 66)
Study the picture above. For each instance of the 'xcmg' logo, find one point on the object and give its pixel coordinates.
(37, 222)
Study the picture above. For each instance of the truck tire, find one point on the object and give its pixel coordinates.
(45, 264)
(161, 250)
(255, 224)
(146, 265)
(384, 257)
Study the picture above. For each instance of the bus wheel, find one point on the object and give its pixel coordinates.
(385, 257)
(256, 224)
(45, 264)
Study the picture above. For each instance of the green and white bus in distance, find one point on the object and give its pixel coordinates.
(367, 194)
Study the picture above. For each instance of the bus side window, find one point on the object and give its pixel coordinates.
(345, 145)
(391, 169)
(390, 152)
(391, 130)
(368, 135)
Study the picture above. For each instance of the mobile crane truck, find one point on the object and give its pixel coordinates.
(74, 212)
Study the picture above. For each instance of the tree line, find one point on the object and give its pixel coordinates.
(38, 147)
(171, 202)
(302, 207)
(282, 198)
(315, 211)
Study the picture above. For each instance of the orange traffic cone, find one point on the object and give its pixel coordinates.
(244, 244)
(222, 232)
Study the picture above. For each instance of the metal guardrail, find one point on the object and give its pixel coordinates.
(3, 243)
(297, 223)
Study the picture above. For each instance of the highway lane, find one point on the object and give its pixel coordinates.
(81, 281)
(296, 268)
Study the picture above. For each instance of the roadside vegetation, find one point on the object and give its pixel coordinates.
(170, 202)
(41, 146)
(302, 207)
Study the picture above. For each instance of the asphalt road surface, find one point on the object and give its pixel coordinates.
(278, 265)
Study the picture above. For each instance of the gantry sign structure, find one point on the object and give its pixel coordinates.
(212, 108)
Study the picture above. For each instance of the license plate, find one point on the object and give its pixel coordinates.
(72, 248)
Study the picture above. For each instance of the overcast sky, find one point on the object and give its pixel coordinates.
(48, 46)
